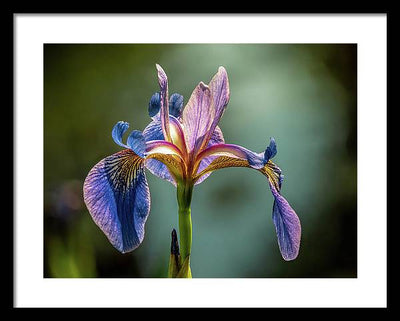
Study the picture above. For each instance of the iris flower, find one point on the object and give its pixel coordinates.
(183, 146)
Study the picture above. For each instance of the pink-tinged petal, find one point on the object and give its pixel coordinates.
(216, 138)
(177, 134)
(204, 110)
(164, 109)
(118, 199)
(219, 86)
(153, 132)
(197, 116)
(254, 160)
(162, 147)
(168, 154)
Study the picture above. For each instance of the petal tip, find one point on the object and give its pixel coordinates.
(222, 69)
(159, 68)
(162, 77)
(271, 150)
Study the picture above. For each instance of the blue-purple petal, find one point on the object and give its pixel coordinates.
(154, 104)
(271, 150)
(118, 131)
(153, 131)
(287, 226)
(117, 196)
(176, 105)
(137, 143)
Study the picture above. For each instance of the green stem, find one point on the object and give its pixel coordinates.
(184, 195)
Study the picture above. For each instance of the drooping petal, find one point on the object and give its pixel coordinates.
(286, 221)
(287, 226)
(164, 103)
(117, 196)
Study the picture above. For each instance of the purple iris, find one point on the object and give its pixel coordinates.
(182, 145)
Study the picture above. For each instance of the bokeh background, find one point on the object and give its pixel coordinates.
(304, 95)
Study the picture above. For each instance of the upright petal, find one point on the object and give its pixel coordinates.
(219, 86)
(204, 110)
(154, 105)
(164, 103)
(117, 196)
(176, 105)
(197, 116)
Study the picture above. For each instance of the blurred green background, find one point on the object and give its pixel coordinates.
(305, 96)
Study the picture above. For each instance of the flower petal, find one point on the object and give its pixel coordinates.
(164, 108)
(154, 105)
(216, 138)
(271, 150)
(173, 164)
(176, 105)
(137, 143)
(219, 86)
(204, 110)
(286, 221)
(287, 226)
(170, 155)
(118, 131)
(255, 160)
(153, 131)
(154, 136)
(197, 116)
(117, 196)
